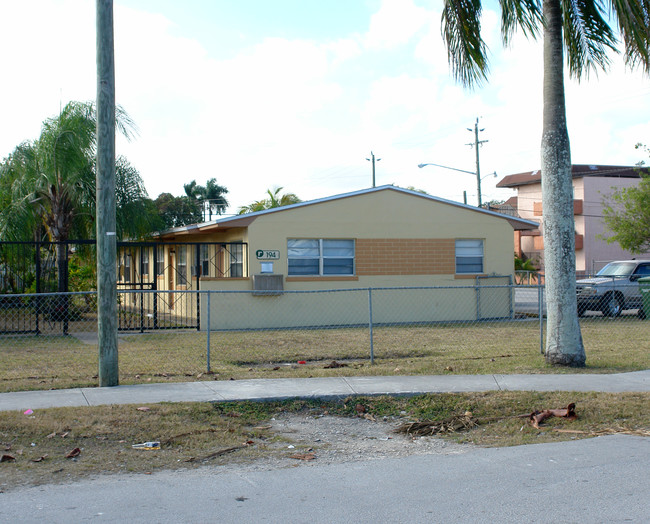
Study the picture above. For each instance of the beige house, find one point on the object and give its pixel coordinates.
(374, 238)
(591, 186)
(382, 237)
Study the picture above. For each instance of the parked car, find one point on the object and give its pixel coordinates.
(613, 289)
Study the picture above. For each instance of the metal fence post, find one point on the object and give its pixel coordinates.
(478, 298)
(197, 271)
(38, 285)
(540, 308)
(372, 347)
(208, 327)
(511, 294)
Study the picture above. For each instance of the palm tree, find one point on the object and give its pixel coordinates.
(581, 29)
(214, 199)
(53, 181)
(133, 208)
(209, 197)
(274, 200)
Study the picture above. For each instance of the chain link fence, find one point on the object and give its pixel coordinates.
(50, 339)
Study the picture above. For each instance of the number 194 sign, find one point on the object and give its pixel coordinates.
(267, 254)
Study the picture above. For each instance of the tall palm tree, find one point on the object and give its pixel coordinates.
(579, 28)
(210, 198)
(214, 199)
(275, 199)
(53, 181)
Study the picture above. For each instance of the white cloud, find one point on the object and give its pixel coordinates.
(394, 24)
(305, 113)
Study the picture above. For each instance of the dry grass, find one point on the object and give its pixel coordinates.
(44, 362)
(105, 435)
(194, 434)
(499, 414)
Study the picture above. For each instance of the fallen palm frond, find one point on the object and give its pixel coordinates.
(537, 417)
(449, 425)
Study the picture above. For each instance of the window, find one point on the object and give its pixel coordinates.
(144, 270)
(469, 256)
(236, 255)
(202, 262)
(127, 267)
(204, 257)
(643, 270)
(320, 257)
(181, 264)
(160, 260)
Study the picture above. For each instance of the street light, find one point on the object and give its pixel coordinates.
(475, 173)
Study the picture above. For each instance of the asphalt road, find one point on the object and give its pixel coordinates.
(600, 480)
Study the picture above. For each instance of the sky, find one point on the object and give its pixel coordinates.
(299, 93)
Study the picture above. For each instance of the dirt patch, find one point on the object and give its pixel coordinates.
(342, 439)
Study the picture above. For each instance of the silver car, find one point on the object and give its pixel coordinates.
(614, 288)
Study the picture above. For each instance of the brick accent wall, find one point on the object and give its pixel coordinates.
(405, 256)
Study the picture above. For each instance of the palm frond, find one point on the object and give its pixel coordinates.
(466, 49)
(587, 36)
(633, 17)
(520, 14)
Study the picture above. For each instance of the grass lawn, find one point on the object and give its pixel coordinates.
(56, 361)
(194, 434)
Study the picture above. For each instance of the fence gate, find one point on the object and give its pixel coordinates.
(154, 288)
(156, 282)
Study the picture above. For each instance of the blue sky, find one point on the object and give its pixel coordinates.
(296, 93)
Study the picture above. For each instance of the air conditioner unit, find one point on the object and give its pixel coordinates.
(265, 284)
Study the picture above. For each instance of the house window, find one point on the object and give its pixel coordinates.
(236, 256)
(160, 260)
(127, 267)
(181, 264)
(320, 257)
(144, 270)
(469, 256)
(204, 257)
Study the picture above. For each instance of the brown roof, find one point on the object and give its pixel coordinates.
(578, 171)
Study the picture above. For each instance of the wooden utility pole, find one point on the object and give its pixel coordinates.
(476, 144)
(105, 198)
(373, 160)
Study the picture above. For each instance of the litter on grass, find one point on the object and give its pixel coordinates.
(153, 444)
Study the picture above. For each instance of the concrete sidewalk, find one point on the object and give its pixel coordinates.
(330, 387)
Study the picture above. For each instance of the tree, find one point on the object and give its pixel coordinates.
(136, 215)
(51, 181)
(177, 211)
(413, 188)
(581, 29)
(210, 197)
(525, 270)
(627, 215)
(274, 200)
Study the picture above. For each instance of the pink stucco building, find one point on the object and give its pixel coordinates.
(592, 184)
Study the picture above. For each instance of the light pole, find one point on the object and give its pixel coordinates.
(476, 174)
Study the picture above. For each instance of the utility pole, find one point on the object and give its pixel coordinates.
(105, 197)
(373, 159)
(476, 145)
